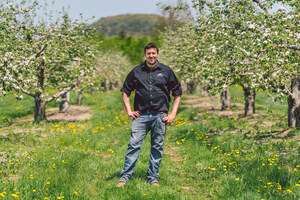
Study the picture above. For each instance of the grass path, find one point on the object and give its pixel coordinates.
(208, 155)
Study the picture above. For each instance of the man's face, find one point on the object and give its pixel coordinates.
(151, 56)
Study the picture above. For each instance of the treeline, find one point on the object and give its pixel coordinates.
(136, 25)
(132, 47)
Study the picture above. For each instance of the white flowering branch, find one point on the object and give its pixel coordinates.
(17, 87)
(67, 89)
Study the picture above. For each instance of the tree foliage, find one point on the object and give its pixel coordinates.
(240, 42)
(38, 55)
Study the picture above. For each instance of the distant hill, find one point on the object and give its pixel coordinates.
(130, 24)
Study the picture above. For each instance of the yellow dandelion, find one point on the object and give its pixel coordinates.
(15, 195)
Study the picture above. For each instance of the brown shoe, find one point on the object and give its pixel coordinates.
(155, 184)
(121, 184)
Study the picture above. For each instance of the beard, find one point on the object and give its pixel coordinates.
(151, 61)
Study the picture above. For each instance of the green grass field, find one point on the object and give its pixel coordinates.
(208, 154)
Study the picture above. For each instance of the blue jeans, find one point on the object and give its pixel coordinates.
(140, 127)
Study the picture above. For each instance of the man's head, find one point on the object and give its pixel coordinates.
(151, 53)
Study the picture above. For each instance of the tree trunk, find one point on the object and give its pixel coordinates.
(249, 101)
(40, 109)
(117, 83)
(79, 98)
(183, 86)
(111, 85)
(225, 99)
(106, 85)
(92, 90)
(64, 104)
(191, 87)
(294, 104)
(204, 91)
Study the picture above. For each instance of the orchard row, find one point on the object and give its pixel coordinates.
(252, 43)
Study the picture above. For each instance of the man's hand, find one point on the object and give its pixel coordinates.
(134, 114)
(169, 119)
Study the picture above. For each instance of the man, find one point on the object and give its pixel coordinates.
(152, 82)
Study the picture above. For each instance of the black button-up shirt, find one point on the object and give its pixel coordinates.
(152, 87)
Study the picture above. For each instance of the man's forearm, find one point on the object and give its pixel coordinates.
(126, 101)
(177, 100)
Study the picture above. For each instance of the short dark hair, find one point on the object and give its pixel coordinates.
(150, 46)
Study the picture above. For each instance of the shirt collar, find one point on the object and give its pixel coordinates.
(157, 66)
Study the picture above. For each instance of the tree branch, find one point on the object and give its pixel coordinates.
(67, 89)
(294, 47)
(289, 93)
(38, 53)
(261, 5)
(22, 90)
(243, 50)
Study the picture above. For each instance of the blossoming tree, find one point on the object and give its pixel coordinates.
(243, 42)
(39, 55)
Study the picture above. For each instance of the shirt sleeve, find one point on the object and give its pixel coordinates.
(174, 85)
(128, 85)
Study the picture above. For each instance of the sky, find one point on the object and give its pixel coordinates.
(104, 8)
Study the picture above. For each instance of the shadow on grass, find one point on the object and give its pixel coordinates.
(136, 175)
(283, 134)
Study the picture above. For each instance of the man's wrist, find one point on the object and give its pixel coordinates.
(173, 113)
(129, 111)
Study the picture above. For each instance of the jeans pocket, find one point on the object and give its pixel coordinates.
(162, 116)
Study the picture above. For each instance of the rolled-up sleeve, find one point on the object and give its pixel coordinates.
(128, 85)
(174, 85)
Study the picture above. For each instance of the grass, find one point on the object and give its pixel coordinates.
(207, 155)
